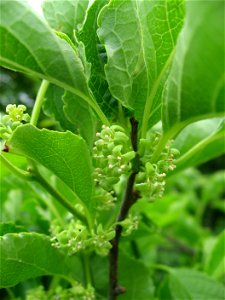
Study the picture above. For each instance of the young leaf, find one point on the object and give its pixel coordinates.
(80, 114)
(96, 55)
(187, 284)
(215, 264)
(195, 87)
(139, 37)
(200, 142)
(29, 255)
(65, 16)
(64, 153)
(53, 107)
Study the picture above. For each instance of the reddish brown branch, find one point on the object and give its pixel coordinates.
(129, 199)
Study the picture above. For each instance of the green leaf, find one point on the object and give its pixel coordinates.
(80, 114)
(215, 264)
(29, 45)
(139, 37)
(200, 142)
(29, 255)
(195, 87)
(71, 112)
(64, 153)
(96, 55)
(65, 16)
(53, 107)
(136, 278)
(10, 227)
(193, 285)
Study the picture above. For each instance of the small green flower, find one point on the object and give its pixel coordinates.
(15, 118)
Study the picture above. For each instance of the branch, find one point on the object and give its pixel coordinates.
(181, 246)
(130, 198)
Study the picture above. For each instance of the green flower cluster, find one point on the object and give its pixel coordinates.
(150, 181)
(75, 237)
(112, 155)
(12, 120)
(77, 292)
(129, 224)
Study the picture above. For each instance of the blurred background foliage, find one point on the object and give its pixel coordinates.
(183, 229)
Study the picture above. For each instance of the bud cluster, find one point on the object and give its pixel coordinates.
(150, 181)
(75, 237)
(129, 224)
(12, 120)
(105, 200)
(112, 154)
(77, 292)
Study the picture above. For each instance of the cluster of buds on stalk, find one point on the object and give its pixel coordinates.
(112, 154)
(75, 237)
(14, 118)
(78, 292)
(150, 180)
(129, 224)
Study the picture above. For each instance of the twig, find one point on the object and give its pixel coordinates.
(181, 246)
(130, 198)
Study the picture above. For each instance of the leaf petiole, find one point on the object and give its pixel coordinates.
(17, 171)
(198, 147)
(38, 103)
(40, 179)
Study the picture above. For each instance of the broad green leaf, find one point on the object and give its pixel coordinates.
(64, 153)
(187, 284)
(200, 142)
(53, 107)
(29, 255)
(139, 37)
(29, 45)
(95, 54)
(136, 278)
(195, 87)
(163, 291)
(80, 114)
(65, 16)
(215, 264)
(10, 227)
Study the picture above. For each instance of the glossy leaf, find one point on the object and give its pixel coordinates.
(215, 264)
(64, 153)
(29, 255)
(139, 37)
(200, 142)
(191, 285)
(81, 116)
(29, 45)
(195, 87)
(65, 16)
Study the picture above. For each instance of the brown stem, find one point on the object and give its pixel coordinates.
(129, 199)
(181, 246)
